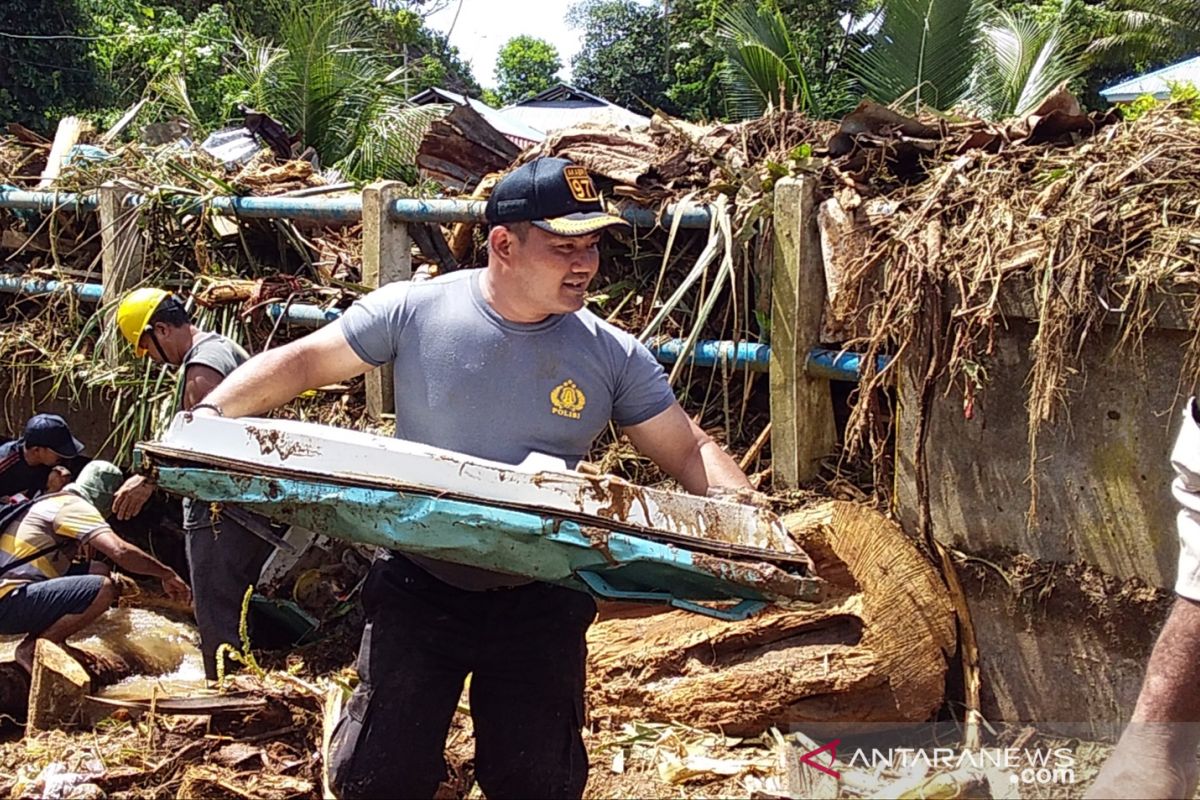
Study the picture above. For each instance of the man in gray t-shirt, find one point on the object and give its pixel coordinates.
(497, 363)
(224, 558)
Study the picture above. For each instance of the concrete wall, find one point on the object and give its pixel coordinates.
(1104, 500)
(29, 393)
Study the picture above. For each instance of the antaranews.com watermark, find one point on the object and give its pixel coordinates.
(1041, 766)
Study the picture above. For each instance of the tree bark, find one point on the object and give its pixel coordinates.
(874, 650)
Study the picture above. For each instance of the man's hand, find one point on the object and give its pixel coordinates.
(132, 496)
(176, 589)
(59, 477)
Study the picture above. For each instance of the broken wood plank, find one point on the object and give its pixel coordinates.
(462, 233)
(432, 244)
(69, 131)
(57, 689)
(215, 704)
(461, 148)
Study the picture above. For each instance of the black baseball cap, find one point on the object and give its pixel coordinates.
(50, 430)
(553, 194)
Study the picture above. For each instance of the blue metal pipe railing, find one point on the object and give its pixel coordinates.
(839, 365)
(708, 353)
(317, 209)
(15, 284)
(19, 200)
(822, 363)
(334, 209)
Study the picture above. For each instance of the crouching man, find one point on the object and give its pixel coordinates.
(41, 594)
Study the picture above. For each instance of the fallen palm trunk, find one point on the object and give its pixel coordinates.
(122, 643)
(874, 651)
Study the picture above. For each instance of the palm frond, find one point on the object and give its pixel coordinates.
(924, 52)
(387, 149)
(1142, 33)
(1021, 61)
(326, 79)
(763, 68)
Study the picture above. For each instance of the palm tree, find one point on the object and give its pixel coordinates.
(922, 54)
(763, 68)
(1135, 34)
(1020, 61)
(327, 80)
(942, 54)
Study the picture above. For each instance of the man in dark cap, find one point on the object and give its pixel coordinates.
(497, 363)
(32, 464)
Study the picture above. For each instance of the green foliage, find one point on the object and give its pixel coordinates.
(525, 66)
(489, 97)
(141, 46)
(41, 79)
(763, 69)
(328, 81)
(944, 54)
(1021, 59)
(1144, 34)
(922, 55)
(424, 55)
(623, 55)
(1184, 97)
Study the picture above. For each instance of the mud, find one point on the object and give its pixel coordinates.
(1126, 613)
(277, 442)
(766, 578)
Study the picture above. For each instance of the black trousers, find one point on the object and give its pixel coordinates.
(524, 648)
(223, 560)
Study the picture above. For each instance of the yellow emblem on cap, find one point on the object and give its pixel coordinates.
(580, 183)
(567, 400)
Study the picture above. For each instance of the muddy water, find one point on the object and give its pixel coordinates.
(165, 653)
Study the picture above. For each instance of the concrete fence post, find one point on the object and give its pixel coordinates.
(122, 250)
(802, 424)
(387, 257)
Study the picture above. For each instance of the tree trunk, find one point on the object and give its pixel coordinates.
(875, 650)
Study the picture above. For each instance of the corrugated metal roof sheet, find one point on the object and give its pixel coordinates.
(1155, 83)
(564, 106)
(511, 127)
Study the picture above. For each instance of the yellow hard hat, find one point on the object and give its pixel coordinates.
(134, 312)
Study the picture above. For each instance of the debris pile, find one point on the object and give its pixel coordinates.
(1071, 233)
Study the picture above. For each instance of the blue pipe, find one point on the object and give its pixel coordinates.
(445, 211)
(711, 353)
(832, 365)
(839, 365)
(318, 209)
(17, 199)
(15, 284)
(334, 209)
(302, 314)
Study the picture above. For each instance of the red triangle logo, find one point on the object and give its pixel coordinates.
(809, 758)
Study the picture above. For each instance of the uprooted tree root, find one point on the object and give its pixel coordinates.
(1077, 233)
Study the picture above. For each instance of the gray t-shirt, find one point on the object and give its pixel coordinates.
(469, 380)
(223, 355)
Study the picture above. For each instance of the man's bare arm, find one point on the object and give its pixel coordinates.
(274, 377)
(686, 453)
(134, 559)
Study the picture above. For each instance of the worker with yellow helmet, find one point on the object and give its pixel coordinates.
(157, 325)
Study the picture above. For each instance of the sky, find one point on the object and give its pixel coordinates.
(484, 25)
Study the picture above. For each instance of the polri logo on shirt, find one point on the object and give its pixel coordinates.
(567, 400)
